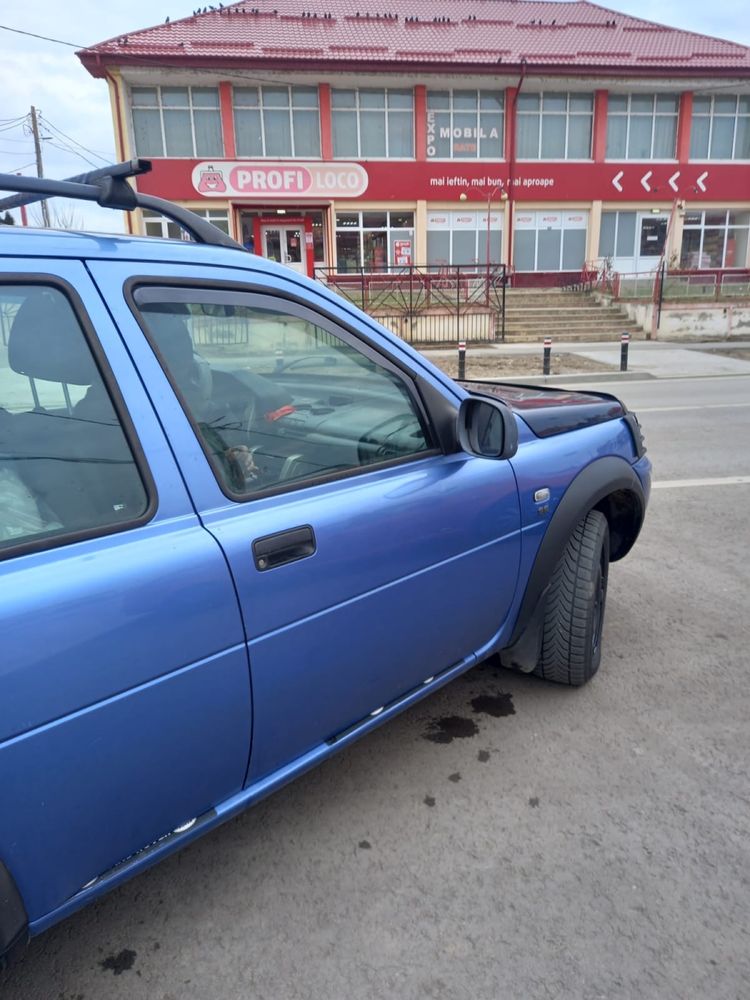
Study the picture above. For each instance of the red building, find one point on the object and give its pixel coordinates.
(543, 135)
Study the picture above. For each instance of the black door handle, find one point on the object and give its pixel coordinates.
(284, 547)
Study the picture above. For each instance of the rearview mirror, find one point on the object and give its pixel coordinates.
(487, 428)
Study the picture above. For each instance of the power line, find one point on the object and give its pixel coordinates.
(16, 170)
(15, 125)
(69, 149)
(54, 128)
(44, 38)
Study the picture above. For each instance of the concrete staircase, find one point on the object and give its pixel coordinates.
(531, 314)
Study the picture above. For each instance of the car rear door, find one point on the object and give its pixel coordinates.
(361, 573)
(124, 679)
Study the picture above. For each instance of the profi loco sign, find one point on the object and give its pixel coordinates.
(269, 179)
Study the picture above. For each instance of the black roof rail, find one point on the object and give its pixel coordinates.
(108, 187)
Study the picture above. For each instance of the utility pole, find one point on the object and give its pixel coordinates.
(39, 167)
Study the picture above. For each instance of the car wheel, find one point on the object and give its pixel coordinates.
(574, 614)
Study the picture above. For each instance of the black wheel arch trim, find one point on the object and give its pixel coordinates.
(602, 478)
(14, 922)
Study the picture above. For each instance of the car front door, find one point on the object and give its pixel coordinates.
(366, 560)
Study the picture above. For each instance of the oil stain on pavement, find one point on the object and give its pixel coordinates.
(450, 728)
(457, 727)
(496, 705)
(120, 962)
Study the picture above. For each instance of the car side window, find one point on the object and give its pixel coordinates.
(277, 397)
(66, 468)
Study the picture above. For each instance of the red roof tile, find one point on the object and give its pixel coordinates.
(411, 32)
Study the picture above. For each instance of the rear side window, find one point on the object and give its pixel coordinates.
(66, 467)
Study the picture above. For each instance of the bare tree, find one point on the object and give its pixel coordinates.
(61, 217)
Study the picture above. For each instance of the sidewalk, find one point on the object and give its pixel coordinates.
(649, 359)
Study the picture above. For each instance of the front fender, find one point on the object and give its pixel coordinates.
(596, 485)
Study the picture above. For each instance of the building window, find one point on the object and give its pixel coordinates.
(374, 240)
(642, 126)
(617, 234)
(177, 121)
(277, 121)
(550, 241)
(721, 128)
(715, 239)
(465, 124)
(373, 123)
(158, 225)
(554, 126)
(464, 238)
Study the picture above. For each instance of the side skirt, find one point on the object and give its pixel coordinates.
(226, 810)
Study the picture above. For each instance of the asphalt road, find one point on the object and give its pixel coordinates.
(579, 844)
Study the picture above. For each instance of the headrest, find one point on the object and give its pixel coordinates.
(46, 341)
(172, 338)
(191, 373)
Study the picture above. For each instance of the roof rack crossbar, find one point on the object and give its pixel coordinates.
(108, 187)
(128, 168)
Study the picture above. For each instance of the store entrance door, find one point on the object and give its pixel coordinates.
(652, 239)
(284, 244)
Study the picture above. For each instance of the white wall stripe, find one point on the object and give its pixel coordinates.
(695, 406)
(673, 484)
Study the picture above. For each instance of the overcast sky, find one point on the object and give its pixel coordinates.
(76, 106)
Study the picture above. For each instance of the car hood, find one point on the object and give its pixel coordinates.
(550, 411)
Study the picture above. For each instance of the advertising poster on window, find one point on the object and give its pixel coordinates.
(402, 252)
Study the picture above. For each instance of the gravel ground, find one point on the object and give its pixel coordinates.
(498, 365)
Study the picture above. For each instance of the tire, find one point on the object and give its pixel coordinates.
(574, 615)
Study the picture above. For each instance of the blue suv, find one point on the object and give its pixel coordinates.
(241, 525)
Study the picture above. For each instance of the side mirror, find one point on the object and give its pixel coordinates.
(487, 428)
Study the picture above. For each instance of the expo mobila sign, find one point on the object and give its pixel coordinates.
(279, 179)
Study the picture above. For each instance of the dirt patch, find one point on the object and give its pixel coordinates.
(741, 353)
(480, 366)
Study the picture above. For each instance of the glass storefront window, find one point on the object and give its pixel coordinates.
(374, 240)
(177, 121)
(720, 128)
(463, 237)
(617, 234)
(372, 122)
(715, 239)
(550, 240)
(277, 121)
(554, 126)
(642, 126)
(465, 124)
(319, 243)
(157, 225)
